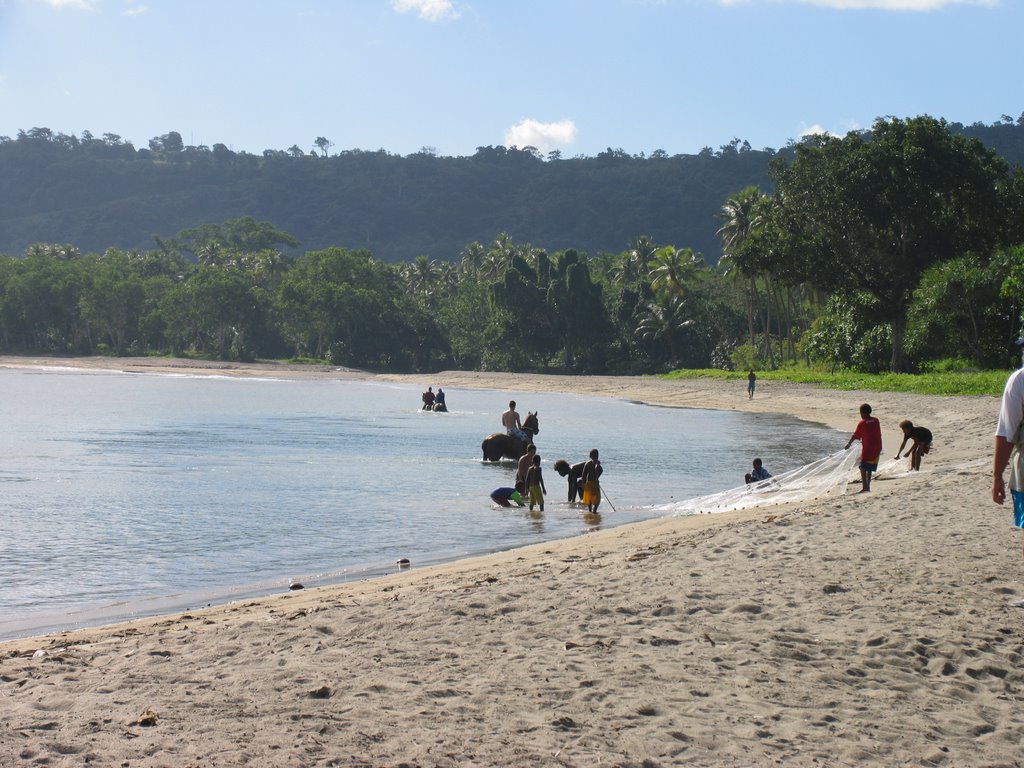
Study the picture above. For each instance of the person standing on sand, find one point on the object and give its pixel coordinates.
(1010, 436)
(591, 487)
(751, 383)
(869, 432)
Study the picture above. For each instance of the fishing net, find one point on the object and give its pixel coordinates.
(826, 477)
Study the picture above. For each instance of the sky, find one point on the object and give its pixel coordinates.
(449, 76)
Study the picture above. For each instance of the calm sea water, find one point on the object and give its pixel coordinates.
(126, 495)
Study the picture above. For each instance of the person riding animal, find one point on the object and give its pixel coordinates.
(510, 421)
(504, 445)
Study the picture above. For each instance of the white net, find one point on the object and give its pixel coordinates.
(826, 477)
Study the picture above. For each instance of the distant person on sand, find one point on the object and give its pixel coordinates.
(574, 472)
(922, 443)
(751, 383)
(505, 497)
(428, 399)
(510, 421)
(758, 473)
(523, 468)
(535, 484)
(591, 487)
(869, 432)
(1010, 435)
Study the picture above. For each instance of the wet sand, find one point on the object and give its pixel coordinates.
(871, 629)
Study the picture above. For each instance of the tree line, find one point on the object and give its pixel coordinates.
(888, 249)
(101, 191)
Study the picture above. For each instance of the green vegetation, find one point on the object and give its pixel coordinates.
(894, 250)
(949, 383)
(100, 191)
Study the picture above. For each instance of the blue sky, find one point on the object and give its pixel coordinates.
(578, 76)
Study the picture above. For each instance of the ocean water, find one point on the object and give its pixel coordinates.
(124, 495)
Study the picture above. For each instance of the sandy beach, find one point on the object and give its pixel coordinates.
(869, 629)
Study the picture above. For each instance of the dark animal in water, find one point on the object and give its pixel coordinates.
(501, 445)
(440, 408)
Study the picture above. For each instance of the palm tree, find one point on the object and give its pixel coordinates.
(420, 275)
(632, 263)
(662, 320)
(670, 268)
(745, 213)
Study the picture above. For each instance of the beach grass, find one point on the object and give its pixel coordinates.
(934, 383)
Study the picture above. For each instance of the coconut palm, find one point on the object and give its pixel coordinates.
(670, 268)
(662, 320)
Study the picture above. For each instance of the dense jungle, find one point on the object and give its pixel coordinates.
(899, 248)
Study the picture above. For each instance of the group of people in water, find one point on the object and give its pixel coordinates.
(434, 401)
(529, 481)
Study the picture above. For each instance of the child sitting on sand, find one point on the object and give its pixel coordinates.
(758, 473)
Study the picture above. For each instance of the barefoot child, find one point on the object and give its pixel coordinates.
(535, 484)
(922, 443)
(869, 432)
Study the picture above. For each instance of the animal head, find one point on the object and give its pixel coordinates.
(530, 422)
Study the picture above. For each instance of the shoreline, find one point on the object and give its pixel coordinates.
(864, 629)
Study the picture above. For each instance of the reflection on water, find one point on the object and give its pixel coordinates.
(119, 488)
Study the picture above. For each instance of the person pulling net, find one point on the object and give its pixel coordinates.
(825, 477)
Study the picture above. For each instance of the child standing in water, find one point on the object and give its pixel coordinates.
(591, 487)
(869, 432)
(535, 484)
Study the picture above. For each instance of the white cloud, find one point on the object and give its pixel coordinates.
(818, 130)
(428, 10)
(134, 10)
(85, 5)
(813, 130)
(544, 136)
(878, 5)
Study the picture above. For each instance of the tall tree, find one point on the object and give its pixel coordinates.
(872, 213)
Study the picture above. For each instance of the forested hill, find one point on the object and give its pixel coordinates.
(95, 193)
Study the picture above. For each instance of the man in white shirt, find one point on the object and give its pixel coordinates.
(1009, 435)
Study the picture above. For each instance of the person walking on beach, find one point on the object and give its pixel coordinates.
(1010, 443)
(592, 470)
(922, 443)
(523, 468)
(535, 484)
(751, 383)
(869, 432)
